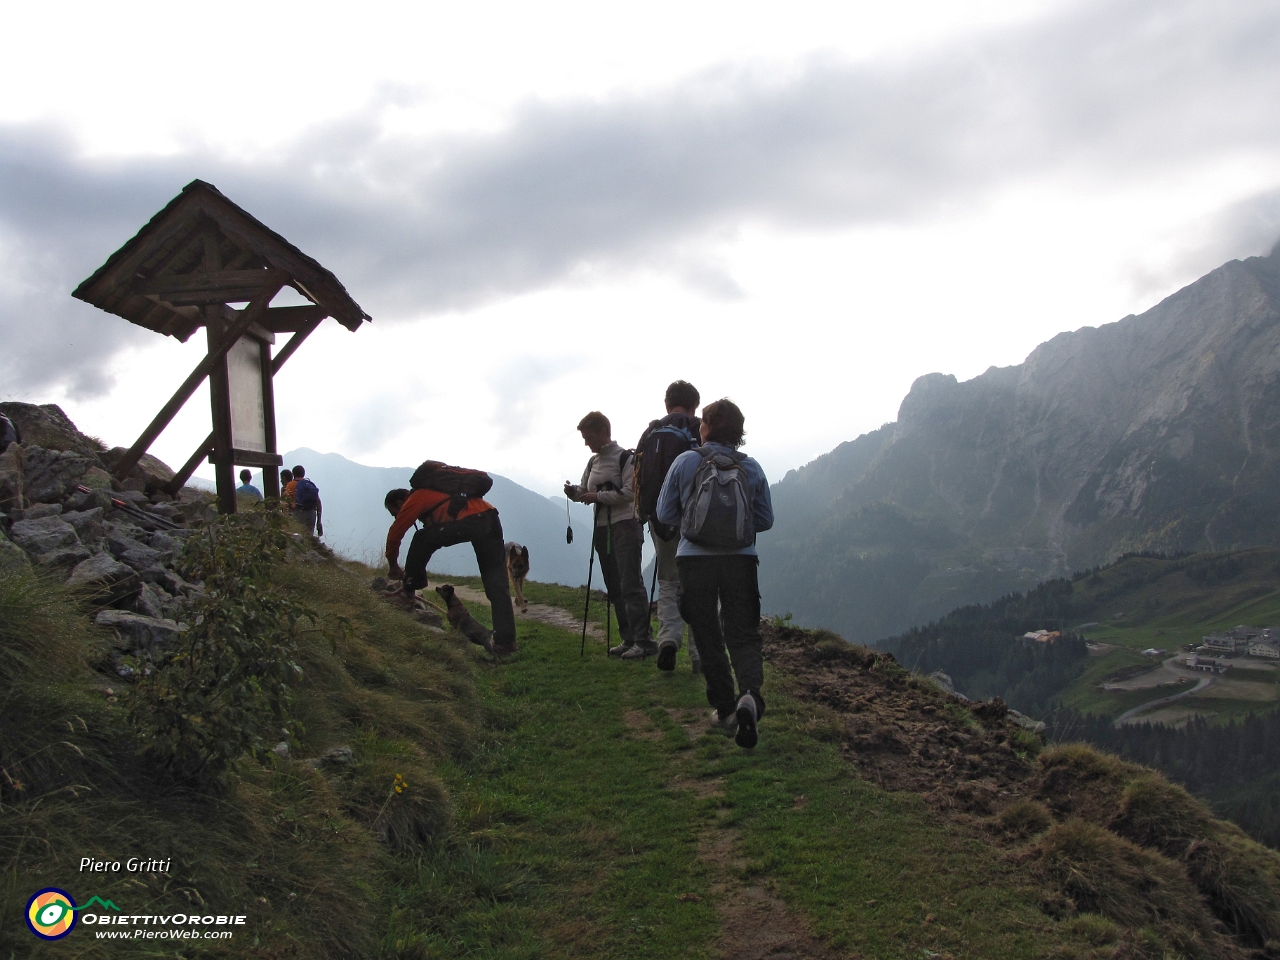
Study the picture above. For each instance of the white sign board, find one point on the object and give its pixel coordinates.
(244, 380)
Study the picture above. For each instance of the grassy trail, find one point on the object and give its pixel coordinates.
(601, 818)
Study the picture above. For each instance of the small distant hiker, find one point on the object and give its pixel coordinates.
(448, 502)
(662, 441)
(719, 499)
(609, 484)
(247, 489)
(307, 508)
(286, 491)
(9, 433)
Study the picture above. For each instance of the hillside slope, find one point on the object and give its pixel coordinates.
(1157, 432)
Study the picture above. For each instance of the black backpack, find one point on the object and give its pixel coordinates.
(460, 483)
(718, 514)
(655, 453)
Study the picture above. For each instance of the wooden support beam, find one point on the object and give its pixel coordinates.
(247, 319)
(182, 476)
(294, 343)
(205, 287)
(270, 477)
(293, 319)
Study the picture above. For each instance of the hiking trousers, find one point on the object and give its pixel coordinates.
(670, 623)
(618, 546)
(484, 532)
(721, 604)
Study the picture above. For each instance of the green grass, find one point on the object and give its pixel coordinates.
(595, 841)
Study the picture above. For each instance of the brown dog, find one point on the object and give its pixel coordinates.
(517, 570)
(463, 621)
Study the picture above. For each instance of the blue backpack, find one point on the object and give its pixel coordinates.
(306, 494)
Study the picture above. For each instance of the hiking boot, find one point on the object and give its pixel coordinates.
(696, 667)
(667, 657)
(620, 649)
(640, 651)
(747, 736)
(725, 725)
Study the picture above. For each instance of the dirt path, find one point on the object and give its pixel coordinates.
(554, 616)
(755, 924)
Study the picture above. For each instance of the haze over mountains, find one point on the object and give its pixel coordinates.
(1157, 432)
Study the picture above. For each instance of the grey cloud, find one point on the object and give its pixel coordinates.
(1101, 92)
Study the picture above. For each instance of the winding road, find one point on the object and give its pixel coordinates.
(1204, 684)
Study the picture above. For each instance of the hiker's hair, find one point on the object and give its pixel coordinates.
(245, 476)
(682, 393)
(286, 475)
(299, 473)
(595, 420)
(724, 422)
(395, 499)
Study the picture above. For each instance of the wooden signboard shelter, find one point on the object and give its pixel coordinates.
(184, 270)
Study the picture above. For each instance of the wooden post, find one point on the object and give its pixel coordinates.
(205, 448)
(270, 475)
(219, 388)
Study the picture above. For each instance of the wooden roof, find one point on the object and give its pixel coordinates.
(156, 279)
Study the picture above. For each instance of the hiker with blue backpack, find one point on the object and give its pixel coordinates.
(608, 484)
(660, 444)
(307, 508)
(719, 500)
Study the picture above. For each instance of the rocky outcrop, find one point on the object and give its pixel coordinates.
(49, 541)
(105, 580)
(1158, 432)
(139, 634)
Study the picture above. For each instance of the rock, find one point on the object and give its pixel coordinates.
(47, 426)
(162, 541)
(940, 679)
(105, 579)
(153, 573)
(175, 585)
(136, 497)
(379, 584)
(281, 750)
(88, 524)
(153, 473)
(335, 755)
(50, 541)
(150, 601)
(37, 511)
(165, 510)
(49, 476)
(1026, 723)
(12, 556)
(137, 633)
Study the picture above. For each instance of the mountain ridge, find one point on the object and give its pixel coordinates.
(1160, 431)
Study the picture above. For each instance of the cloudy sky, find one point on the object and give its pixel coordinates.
(553, 208)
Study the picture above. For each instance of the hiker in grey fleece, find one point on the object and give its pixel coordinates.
(608, 483)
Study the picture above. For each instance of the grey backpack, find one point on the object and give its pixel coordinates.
(718, 513)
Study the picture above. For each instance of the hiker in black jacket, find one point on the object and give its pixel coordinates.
(662, 441)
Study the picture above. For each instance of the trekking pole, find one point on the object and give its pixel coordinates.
(608, 593)
(590, 567)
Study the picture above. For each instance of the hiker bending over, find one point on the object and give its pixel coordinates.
(662, 441)
(719, 499)
(608, 484)
(448, 517)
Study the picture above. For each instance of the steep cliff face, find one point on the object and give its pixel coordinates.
(1158, 432)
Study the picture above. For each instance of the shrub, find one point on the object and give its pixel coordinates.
(1133, 887)
(1024, 818)
(226, 692)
